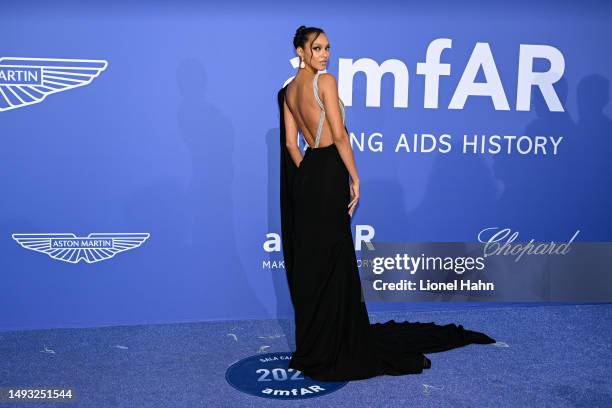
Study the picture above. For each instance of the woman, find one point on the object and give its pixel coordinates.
(334, 338)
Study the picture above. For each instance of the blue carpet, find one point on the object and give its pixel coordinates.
(557, 356)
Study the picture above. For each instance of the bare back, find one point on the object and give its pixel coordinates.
(308, 111)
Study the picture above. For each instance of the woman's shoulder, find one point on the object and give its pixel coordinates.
(326, 76)
(327, 81)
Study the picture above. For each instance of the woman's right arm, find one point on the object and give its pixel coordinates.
(331, 101)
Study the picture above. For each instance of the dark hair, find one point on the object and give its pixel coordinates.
(301, 36)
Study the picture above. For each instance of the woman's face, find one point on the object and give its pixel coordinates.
(316, 54)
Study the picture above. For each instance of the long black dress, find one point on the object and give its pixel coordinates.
(335, 340)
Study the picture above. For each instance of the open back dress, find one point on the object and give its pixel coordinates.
(335, 340)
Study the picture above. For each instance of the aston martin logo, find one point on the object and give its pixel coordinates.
(26, 81)
(70, 248)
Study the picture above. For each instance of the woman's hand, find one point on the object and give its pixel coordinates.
(354, 196)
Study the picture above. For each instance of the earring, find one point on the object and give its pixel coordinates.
(302, 65)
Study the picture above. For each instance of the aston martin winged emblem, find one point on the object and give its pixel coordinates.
(95, 247)
(26, 81)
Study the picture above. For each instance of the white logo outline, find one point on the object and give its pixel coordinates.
(121, 242)
(54, 78)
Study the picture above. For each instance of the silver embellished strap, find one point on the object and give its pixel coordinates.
(322, 116)
(316, 90)
(320, 128)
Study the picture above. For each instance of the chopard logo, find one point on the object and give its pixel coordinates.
(70, 248)
(26, 81)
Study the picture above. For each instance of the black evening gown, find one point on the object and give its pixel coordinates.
(335, 340)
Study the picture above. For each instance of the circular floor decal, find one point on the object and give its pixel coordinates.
(268, 376)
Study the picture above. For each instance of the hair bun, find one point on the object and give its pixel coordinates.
(302, 34)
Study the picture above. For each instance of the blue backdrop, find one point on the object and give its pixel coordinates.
(177, 139)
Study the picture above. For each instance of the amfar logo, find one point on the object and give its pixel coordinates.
(432, 70)
(26, 81)
(70, 248)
